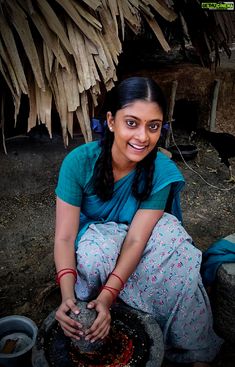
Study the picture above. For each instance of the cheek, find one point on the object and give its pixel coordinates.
(122, 136)
(156, 137)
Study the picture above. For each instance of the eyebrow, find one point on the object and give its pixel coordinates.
(135, 117)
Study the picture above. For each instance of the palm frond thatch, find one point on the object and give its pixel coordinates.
(64, 50)
(76, 48)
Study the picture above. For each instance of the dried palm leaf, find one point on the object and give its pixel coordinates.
(7, 78)
(158, 32)
(50, 39)
(95, 92)
(71, 88)
(85, 112)
(76, 40)
(83, 26)
(94, 76)
(80, 119)
(12, 51)
(109, 38)
(94, 4)
(146, 11)
(120, 10)
(44, 102)
(131, 17)
(79, 39)
(54, 23)
(108, 72)
(32, 119)
(162, 9)
(70, 123)
(19, 20)
(12, 77)
(60, 96)
(48, 61)
(88, 17)
(112, 5)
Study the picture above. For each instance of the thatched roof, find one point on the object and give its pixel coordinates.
(67, 50)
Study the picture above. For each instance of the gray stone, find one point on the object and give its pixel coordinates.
(86, 317)
(224, 303)
(146, 324)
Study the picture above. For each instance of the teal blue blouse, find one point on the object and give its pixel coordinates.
(75, 187)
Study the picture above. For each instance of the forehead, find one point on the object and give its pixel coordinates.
(141, 109)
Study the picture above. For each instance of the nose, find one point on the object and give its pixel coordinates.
(141, 134)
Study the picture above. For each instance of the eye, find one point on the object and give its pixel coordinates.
(131, 123)
(154, 126)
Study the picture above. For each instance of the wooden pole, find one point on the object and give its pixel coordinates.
(171, 111)
(214, 105)
(2, 125)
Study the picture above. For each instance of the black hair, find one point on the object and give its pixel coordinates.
(127, 92)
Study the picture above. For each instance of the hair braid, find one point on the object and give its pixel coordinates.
(103, 172)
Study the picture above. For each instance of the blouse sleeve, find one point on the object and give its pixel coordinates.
(69, 188)
(158, 200)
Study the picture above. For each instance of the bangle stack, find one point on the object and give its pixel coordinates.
(65, 271)
(117, 276)
(114, 291)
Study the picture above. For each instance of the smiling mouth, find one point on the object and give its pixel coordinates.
(140, 148)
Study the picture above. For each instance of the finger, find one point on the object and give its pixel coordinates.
(70, 328)
(101, 320)
(91, 304)
(72, 306)
(100, 334)
(96, 330)
(72, 336)
(62, 317)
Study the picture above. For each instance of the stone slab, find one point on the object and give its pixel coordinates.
(224, 301)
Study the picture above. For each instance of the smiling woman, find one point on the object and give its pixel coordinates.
(118, 231)
(137, 129)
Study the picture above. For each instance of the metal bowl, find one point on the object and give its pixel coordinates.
(17, 337)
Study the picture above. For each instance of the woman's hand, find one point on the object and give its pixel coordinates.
(70, 327)
(101, 326)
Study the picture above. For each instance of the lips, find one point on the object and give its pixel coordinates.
(138, 147)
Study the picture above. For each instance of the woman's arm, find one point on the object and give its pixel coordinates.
(67, 223)
(137, 237)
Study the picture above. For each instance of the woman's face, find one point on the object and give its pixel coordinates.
(137, 129)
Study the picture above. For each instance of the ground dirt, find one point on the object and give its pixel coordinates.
(27, 211)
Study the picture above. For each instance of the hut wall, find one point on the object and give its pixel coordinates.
(196, 84)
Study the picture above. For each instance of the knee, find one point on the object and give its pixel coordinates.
(170, 230)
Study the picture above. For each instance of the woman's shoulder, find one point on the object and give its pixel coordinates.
(162, 158)
(79, 162)
(166, 168)
(84, 152)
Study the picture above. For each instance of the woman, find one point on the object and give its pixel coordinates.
(118, 208)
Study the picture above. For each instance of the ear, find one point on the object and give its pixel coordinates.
(110, 120)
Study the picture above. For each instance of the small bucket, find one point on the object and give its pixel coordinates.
(17, 337)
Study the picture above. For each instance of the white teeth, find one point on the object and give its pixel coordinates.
(138, 146)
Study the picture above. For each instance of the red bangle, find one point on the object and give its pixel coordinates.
(117, 276)
(65, 269)
(69, 271)
(113, 289)
(108, 289)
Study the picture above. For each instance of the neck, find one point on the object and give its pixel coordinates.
(121, 169)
